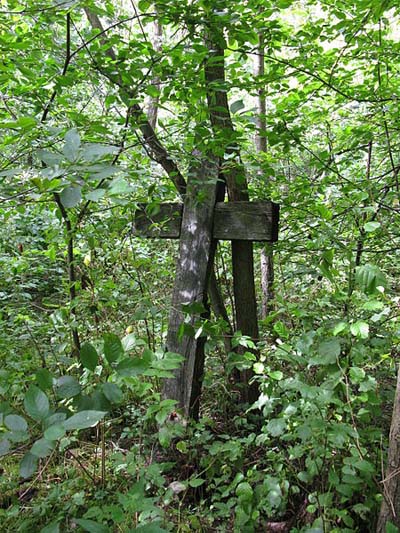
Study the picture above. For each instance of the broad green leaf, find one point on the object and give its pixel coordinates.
(54, 419)
(92, 526)
(369, 277)
(356, 374)
(244, 491)
(132, 366)
(15, 423)
(196, 482)
(83, 420)
(276, 427)
(4, 447)
(112, 392)
(89, 356)
(129, 342)
(373, 305)
(236, 106)
(360, 329)
(36, 403)
(391, 528)
(371, 226)
(22, 122)
(258, 368)
(71, 145)
(329, 351)
(54, 432)
(49, 158)
(44, 379)
(95, 195)
(42, 448)
(71, 196)
(277, 375)
(340, 326)
(112, 347)
(54, 527)
(67, 387)
(28, 465)
(150, 528)
(92, 152)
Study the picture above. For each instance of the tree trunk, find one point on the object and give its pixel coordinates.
(234, 176)
(267, 257)
(152, 111)
(390, 509)
(194, 265)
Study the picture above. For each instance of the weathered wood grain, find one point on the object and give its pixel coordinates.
(247, 221)
(196, 255)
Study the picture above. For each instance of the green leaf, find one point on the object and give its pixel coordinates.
(92, 152)
(44, 379)
(112, 392)
(36, 403)
(277, 375)
(15, 423)
(4, 447)
(71, 145)
(49, 158)
(54, 419)
(391, 528)
(237, 106)
(258, 368)
(328, 351)
(150, 528)
(196, 482)
(339, 327)
(95, 195)
(83, 420)
(373, 305)
(360, 329)
(356, 374)
(132, 366)
(54, 527)
(67, 387)
(28, 465)
(244, 491)
(89, 356)
(54, 432)
(71, 196)
(369, 277)
(112, 347)
(129, 342)
(91, 526)
(276, 427)
(371, 226)
(42, 448)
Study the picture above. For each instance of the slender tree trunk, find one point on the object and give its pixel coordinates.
(390, 509)
(234, 175)
(267, 252)
(152, 111)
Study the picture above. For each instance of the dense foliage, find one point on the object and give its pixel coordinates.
(85, 439)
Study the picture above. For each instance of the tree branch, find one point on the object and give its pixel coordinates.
(159, 153)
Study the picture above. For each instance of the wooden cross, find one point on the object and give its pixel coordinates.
(198, 223)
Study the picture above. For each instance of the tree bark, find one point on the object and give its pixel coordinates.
(267, 252)
(390, 509)
(194, 265)
(152, 111)
(234, 175)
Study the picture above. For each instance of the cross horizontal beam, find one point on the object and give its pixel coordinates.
(248, 221)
